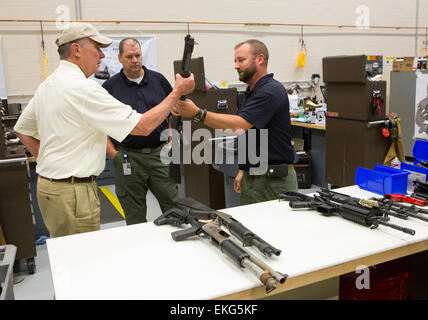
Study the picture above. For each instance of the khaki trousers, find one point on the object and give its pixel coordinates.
(68, 208)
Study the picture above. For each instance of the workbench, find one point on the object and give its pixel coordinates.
(317, 136)
(307, 125)
(142, 261)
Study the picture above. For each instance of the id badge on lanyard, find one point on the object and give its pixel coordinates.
(126, 166)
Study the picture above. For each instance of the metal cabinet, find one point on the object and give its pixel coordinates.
(16, 217)
(40, 229)
(201, 181)
(352, 103)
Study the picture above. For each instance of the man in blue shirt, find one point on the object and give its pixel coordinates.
(136, 159)
(266, 106)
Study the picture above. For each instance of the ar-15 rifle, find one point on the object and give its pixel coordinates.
(350, 210)
(375, 213)
(213, 230)
(322, 203)
(385, 205)
(344, 198)
(299, 200)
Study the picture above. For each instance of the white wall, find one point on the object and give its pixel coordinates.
(22, 41)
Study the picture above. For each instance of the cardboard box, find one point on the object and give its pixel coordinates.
(403, 64)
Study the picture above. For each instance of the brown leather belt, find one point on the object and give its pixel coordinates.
(72, 179)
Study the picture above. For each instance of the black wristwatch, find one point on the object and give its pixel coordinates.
(197, 117)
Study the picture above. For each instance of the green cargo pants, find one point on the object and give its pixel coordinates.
(147, 172)
(259, 188)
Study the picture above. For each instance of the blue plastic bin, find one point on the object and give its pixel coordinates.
(382, 180)
(411, 167)
(414, 174)
(420, 151)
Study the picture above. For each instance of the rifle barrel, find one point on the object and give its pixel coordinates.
(267, 279)
(417, 216)
(243, 257)
(246, 236)
(397, 227)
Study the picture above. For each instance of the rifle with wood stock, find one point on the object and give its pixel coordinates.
(208, 223)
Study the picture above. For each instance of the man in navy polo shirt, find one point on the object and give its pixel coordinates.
(138, 167)
(266, 106)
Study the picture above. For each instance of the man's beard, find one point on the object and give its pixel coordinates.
(247, 74)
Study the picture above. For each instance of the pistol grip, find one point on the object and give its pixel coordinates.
(184, 234)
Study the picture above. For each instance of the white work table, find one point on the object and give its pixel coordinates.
(143, 262)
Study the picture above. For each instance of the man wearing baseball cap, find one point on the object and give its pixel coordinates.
(80, 30)
(66, 124)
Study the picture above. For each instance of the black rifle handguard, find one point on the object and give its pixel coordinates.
(234, 251)
(356, 214)
(189, 43)
(248, 238)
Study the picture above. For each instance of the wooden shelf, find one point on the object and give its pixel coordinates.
(308, 125)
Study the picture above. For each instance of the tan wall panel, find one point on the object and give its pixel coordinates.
(23, 54)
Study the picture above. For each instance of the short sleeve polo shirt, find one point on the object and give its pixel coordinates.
(72, 116)
(141, 97)
(267, 107)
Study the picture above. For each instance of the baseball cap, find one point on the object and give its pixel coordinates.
(80, 30)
